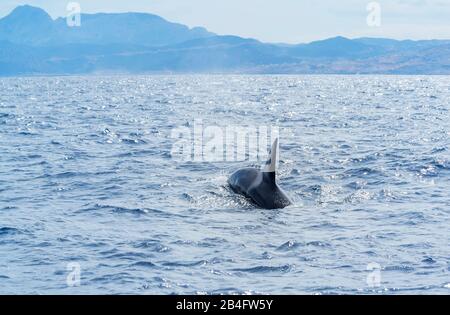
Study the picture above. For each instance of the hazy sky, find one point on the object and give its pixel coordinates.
(290, 21)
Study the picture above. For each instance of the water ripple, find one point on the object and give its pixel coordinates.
(88, 176)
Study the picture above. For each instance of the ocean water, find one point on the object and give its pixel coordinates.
(90, 191)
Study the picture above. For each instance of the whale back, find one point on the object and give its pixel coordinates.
(260, 185)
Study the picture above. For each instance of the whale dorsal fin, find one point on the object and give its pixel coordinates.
(272, 163)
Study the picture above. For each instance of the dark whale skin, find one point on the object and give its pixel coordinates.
(260, 187)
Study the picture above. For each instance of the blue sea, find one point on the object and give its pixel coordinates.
(93, 202)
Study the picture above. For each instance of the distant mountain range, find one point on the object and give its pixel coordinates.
(32, 43)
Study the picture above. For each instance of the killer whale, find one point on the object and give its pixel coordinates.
(260, 186)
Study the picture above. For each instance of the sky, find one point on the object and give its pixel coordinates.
(282, 21)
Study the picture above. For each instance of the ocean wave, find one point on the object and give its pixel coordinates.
(266, 269)
(87, 176)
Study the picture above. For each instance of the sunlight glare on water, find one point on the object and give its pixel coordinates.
(86, 176)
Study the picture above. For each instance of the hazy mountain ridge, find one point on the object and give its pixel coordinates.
(33, 26)
(31, 42)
